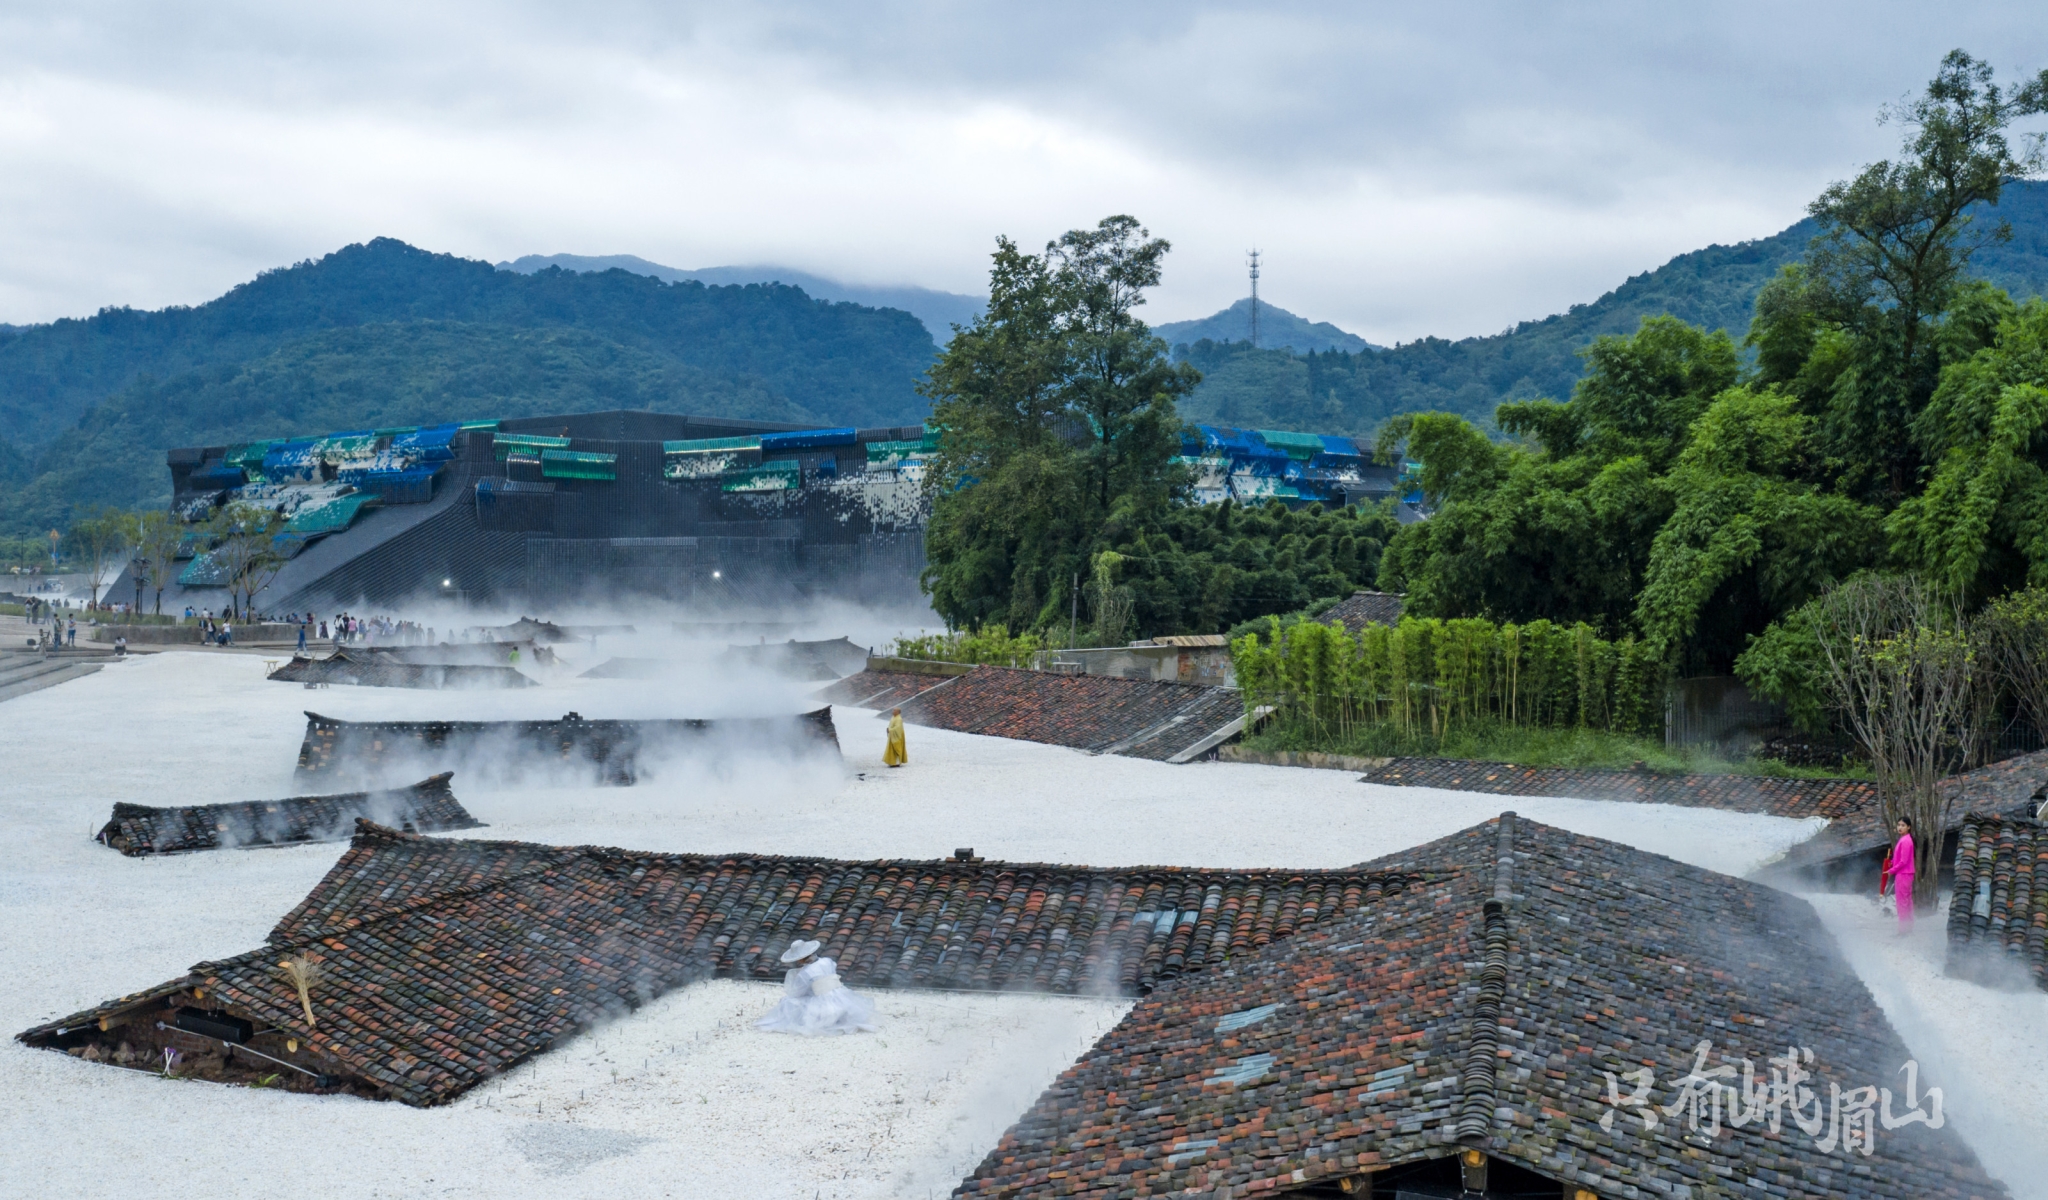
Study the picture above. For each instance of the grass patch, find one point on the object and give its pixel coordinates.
(1530, 747)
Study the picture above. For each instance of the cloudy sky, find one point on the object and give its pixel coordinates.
(1407, 168)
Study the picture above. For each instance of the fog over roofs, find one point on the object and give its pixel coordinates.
(446, 962)
(1482, 1012)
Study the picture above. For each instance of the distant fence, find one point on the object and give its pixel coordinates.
(1716, 710)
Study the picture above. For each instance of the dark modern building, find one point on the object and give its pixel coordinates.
(689, 509)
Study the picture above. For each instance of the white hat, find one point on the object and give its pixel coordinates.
(800, 950)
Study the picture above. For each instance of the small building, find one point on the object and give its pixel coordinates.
(1552, 1015)
(1137, 718)
(1202, 658)
(1362, 608)
(435, 964)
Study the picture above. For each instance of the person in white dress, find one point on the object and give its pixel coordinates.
(814, 1001)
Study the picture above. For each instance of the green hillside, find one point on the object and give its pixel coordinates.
(384, 334)
(1337, 392)
(1278, 330)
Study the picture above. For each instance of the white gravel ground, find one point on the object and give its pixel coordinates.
(681, 1098)
(1985, 1048)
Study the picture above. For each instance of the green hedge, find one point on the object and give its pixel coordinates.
(1431, 674)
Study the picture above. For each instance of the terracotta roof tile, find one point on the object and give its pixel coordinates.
(1998, 918)
(1360, 609)
(879, 689)
(1132, 717)
(1480, 1011)
(1831, 798)
(468, 956)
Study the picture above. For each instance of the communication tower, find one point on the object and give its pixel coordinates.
(1254, 260)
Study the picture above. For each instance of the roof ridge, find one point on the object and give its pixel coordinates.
(1476, 1078)
(369, 828)
(366, 828)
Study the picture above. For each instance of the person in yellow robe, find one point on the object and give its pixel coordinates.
(895, 755)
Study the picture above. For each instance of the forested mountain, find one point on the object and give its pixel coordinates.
(939, 311)
(385, 333)
(1337, 392)
(1278, 330)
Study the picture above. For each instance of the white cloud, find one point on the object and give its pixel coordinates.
(1409, 169)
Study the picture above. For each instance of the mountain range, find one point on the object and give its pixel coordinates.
(939, 311)
(1347, 392)
(384, 334)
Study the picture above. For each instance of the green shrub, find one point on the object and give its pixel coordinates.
(1435, 675)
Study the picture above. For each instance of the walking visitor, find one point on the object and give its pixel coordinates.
(895, 754)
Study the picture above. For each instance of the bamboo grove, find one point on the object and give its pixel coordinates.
(1426, 674)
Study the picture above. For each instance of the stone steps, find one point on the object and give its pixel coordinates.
(21, 681)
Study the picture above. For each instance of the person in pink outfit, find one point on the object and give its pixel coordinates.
(1898, 874)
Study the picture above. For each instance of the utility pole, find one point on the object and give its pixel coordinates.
(1074, 611)
(1255, 298)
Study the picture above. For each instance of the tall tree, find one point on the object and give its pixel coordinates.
(1895, 240)
(1057, 424)
(1560, 526)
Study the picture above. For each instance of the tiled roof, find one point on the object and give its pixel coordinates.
(2010, 786)
(1138, 718)
(880, 689)
(426, 806)
(473, 654)
(1831, 798)
(1998, 918)
(1360, 609)
(526, 629)
(445, 962)
(371, 668)
(821, 660)
(611, 749)
(1480, 1011)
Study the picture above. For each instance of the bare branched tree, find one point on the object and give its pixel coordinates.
(2016, 633)
(157, 538)
(244, 551)
(101, 544)
(1902, 666)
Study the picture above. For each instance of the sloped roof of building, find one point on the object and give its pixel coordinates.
(444, 962)
(527, 629)
(1137, 718)
(1480, 1011)
(426, 806)
(474, 654)
(880, 689)
(1998, 918)
(612, 750)
(2011, 786)
(372, 668)
(1830, 798)
(1360, 609)
(819, 660)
